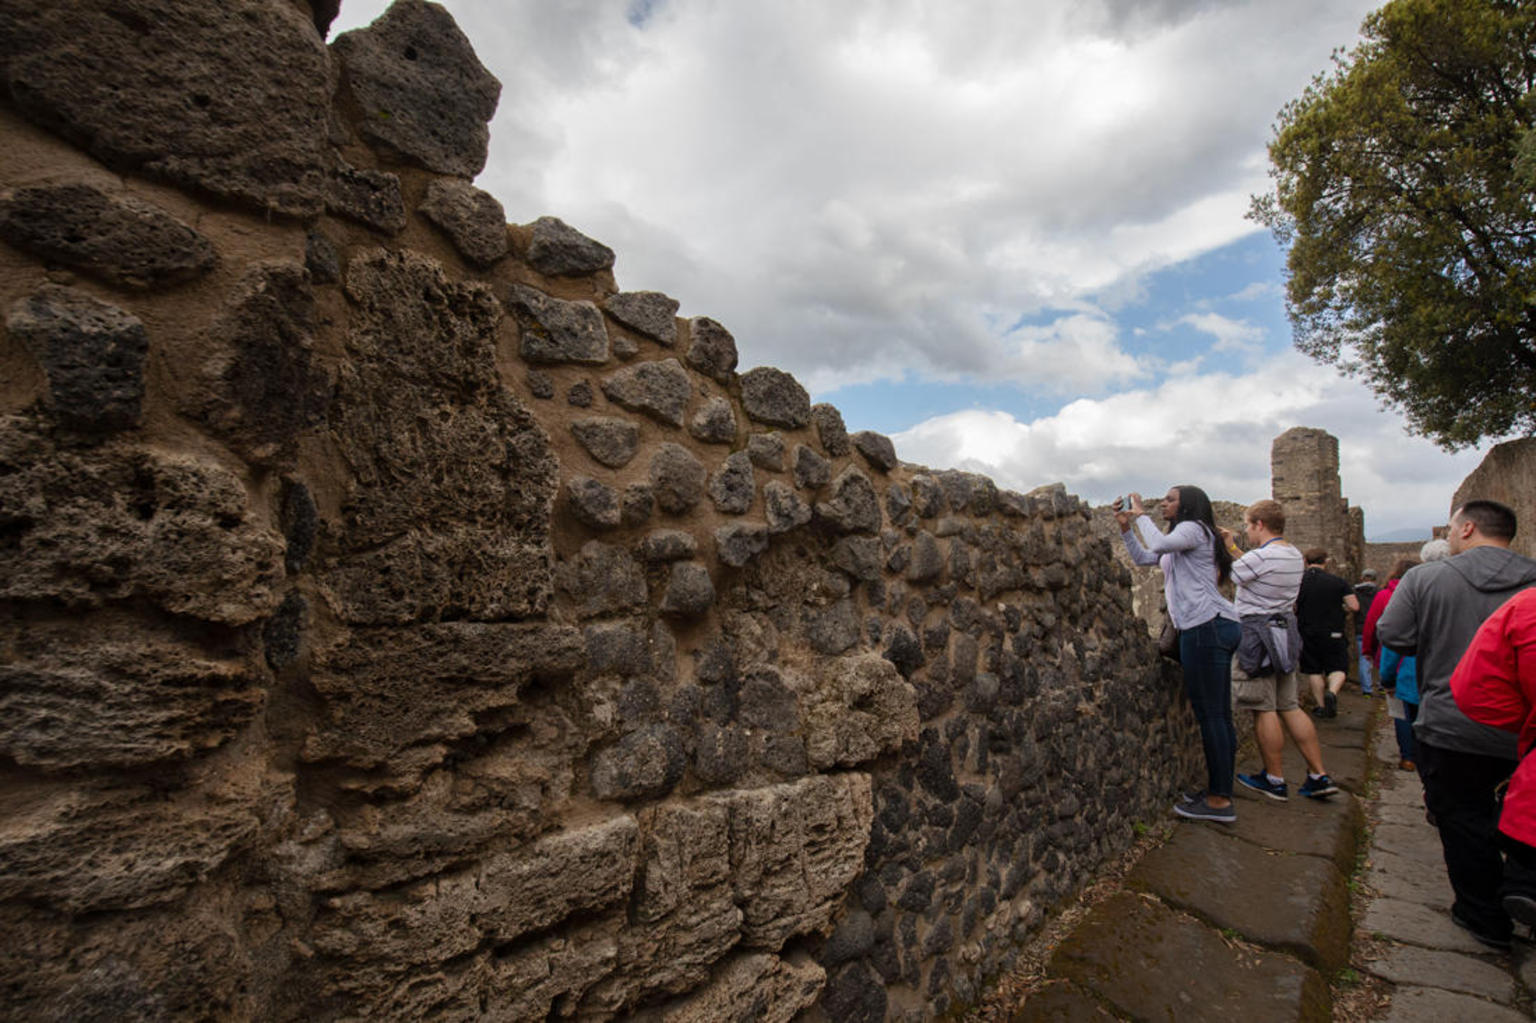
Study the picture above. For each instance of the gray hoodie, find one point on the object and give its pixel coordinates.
(1433, 614)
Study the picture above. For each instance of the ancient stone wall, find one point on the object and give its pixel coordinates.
(1506, 474)
(401, 621)
(1304, 476)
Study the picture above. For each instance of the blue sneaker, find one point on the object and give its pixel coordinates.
(1259, 782)
(1320, 787)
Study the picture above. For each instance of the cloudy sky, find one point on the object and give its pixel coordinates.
(1009, 233)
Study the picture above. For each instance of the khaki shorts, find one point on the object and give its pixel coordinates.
(1267, 692)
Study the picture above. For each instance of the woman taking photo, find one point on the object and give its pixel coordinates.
(1194, 562)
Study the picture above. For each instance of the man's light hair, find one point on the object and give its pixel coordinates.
(1267, 513)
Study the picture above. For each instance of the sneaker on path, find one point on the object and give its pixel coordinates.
(1259, 782)
(1331, 701)
(1521, 909)
(1497, 944)
(1200, 810)
(1318, 788)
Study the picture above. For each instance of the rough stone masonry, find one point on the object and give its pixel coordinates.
(399, 621)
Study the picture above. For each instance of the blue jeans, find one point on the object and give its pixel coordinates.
(1206, 652)
(1365, 665)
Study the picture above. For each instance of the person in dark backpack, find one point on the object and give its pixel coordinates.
(1365, 592)
(1320, 608)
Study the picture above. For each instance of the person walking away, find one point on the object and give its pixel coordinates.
(1365, 593)
(1194, 562)
(1395, 672)
(1320, 607)
(1495, 684)
(1267, 579)
(1433, 614)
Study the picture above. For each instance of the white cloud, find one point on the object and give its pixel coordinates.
(869, 190)
(1214, 431)
(1231, 335)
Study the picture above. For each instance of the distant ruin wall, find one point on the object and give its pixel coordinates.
(1304, 475)
(400, 621)
(1506, 474)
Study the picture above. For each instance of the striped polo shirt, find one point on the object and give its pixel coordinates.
(1268, 578)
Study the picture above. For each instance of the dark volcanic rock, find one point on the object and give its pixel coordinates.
(774, 397)
(830, 429)
(690, 590)
(92, 352)
(732, 486)
(711, 349)
(471, 218)
(678, 477)
(853, 506)
(714, 423)
(424, 94)
(116, 238)
(659, 389)
(646, 312)
(261, 386)
(559, 250)
(228, 98)
(370, 197)
(740, 542)
(877, 449)
(608, 439)
(553, 330)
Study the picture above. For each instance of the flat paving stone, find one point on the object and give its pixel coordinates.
(1307, 826)
(1151, 963)
(1416, 924)
(1450, 971)
(1431, 1005)
(1281, 900)
(1418, 842)
(1062, 1003)
(1409, 879)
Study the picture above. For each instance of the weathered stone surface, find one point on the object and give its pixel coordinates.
(282, 634)
(92, 352)
(858, 556)
(830, 430)
(732, 487)
(552, 330)
(968, 491)
(506, 895)
(754, 986)
(260, 385)
(646, 312)
(711, 349)
(668, 545)
(766, 451)
(812, 472)
(659, 389)
(471, 218)
(321, 258)
(783, 508)
(446, 513)
(1438, 968)
(927, 496)
(638, 504)
(927, 560)
(859, 708)
(608, 439)
(774, 397)
(425, 96)
(82, 846)
(740, 542)
(119, 523)
(133, 695)
(690, 590)
(229, 98)
(1428, 1005)
(593, 503)
(643, 765)
(795, 848)
(395, 697)
(120, 239)
(677, 477)
(852, 506)
(714, 423)
(833, 629)
(559, 250)
(603, 580)
(1182, 962)
(877, 449)
(370, 197)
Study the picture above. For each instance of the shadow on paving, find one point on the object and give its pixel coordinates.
(1243, 922)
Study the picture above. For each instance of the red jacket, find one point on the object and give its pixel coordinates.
(1495, 684)
(1368, 642)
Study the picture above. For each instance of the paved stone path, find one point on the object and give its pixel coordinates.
(1251, 921)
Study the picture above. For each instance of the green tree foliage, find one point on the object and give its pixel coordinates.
(1403, 185)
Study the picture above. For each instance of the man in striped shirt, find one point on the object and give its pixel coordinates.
(1268, 578)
